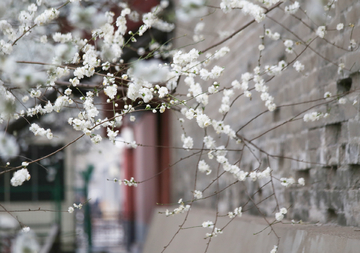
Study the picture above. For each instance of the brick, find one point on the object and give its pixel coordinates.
(331, 155)
(354, 129)
(352, 153)
(337, 198)
(342, 178)
(332, 134)
(314, 139)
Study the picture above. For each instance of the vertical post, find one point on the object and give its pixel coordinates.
(129, 199)
(87, 212)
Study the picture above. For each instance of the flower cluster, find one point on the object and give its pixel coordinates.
(5, 48)
(237, 212)
(210, 224)
(144, 75)
(151, 20)
(290, 181)
(225, 101)
(298, 66)
(41, 131)
(207, 224)
(289, 46)
(314, 116)
(130, 182)
(292, 8)
(204, 167)
(71, 209)
(78, 206)
(233, 169)
(197, 31)
(216, 232)
(47, 16)
(126, 182)
(321, 31)
(271, 35)
(188, 142)
(195, 90)
(181, 209)
(256, 175)
(248, 8)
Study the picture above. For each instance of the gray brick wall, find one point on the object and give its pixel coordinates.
(330, 146)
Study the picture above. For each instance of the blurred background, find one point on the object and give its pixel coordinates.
(113, 217)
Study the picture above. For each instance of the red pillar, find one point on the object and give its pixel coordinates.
(164, 158)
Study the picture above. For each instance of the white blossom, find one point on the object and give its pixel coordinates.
(203, 120)
(352, 44)
(327, 94)
(287, 181)
(298, 66)
(68, 92)
(75, 81)
(312, 116)
(289, 46)
(19, 177)
(35, 93)
(96, 139)
(321, 31)
(301, 181)
(112, 134)
(279, 216)
(198, 194)
(241, 175)
(340, 26)
(43, 39)
(111, 91)
(26, 229)
(207, 224)
(209, 142)
(204, 167)
(274, 250)
(253, 175)
(163, 91)
(341, 67)
(5, 48)
(293, 8)
(188, 141)
(342, 101)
